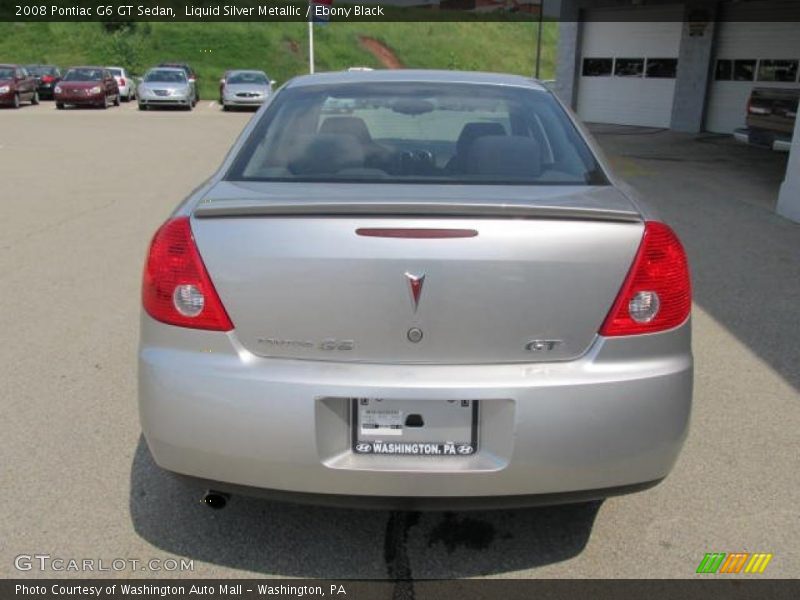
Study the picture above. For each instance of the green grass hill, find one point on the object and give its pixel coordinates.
(281, 48)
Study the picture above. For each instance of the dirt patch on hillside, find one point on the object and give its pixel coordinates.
(292, 46)
(380, 51)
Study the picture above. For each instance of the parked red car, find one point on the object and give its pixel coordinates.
(87, 86)
(16, 86)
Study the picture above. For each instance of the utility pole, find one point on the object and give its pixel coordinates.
(311, 45)
(539, 39)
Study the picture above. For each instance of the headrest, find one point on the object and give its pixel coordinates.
(505, 156)
(326, 153)
(472, 131)
(354, 126)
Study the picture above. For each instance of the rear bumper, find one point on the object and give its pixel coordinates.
(613, 420)
(432, 503)
(778, 141)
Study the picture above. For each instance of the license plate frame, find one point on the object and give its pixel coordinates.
(385, 432)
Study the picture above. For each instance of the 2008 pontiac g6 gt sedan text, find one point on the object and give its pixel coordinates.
(416, 289)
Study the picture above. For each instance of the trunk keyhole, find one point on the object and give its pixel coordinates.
(414, 421)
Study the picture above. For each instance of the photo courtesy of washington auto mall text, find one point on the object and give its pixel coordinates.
(167, 589)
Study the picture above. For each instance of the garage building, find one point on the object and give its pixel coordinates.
(687, 66)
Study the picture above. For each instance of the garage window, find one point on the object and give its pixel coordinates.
(661, 68)
(777, 70)
(724, 70)
(629, 67)
(744, 70)
(597, 67)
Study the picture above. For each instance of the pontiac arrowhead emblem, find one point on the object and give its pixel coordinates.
(415, 283)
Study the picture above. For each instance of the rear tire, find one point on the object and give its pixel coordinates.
(226, 108)
(126, 98)
(15, 102)
(35, 99)
(116, 100)
(60, 105)
(142, 106)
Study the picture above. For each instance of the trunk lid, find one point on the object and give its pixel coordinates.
(533, 283)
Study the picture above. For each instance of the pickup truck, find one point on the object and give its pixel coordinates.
(771, 113)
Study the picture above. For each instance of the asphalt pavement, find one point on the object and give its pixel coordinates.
(81, 193)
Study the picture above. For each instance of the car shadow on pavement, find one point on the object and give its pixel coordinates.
(281, 539)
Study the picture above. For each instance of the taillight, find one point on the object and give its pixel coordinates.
(176, 288)
(122, 81)
(47, 79)
(657, 293)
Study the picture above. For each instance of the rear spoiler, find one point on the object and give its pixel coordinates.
(255, 208)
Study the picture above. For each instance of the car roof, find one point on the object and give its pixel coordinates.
(88, 67)
(246, 71)
(171, 69)
(416, 76)
(7, 65)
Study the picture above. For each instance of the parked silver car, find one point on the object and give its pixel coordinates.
(416, 289)
(245, 89)
(166, 86)
(126, 83)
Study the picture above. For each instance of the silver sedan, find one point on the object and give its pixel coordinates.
(245, 89)
(166, 86)
(416, 289)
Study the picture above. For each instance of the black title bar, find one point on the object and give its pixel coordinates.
(710, 587)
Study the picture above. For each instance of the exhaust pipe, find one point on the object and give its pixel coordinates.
(216, 500)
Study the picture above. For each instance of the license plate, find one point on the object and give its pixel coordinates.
(414, 427)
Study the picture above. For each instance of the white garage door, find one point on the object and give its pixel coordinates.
(628, 67)
(749, 55)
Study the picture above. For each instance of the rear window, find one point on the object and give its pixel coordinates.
(416, 132)
(116, 72)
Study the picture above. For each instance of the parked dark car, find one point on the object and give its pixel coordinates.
(771, 114)
(47, 78)
(191, 75)
(87, 86)
(17, 86)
